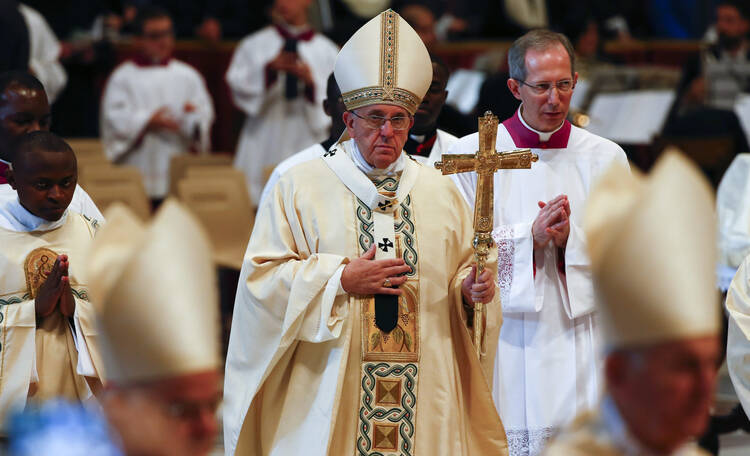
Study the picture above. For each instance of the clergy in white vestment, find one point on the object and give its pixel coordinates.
(44, 52)
(350, 331)
(738, 337)
(159, 327)
(733, 210)
(334, 108)
(24, 108)
(278, 79)
(427, 143)
(548, 350)
(660, 312)
(50, 342)
(155, 106)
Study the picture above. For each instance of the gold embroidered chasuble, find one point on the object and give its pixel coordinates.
(46, 345)
(310, 373)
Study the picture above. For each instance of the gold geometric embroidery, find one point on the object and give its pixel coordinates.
(385, 437)
(38, 265)
(387, 392)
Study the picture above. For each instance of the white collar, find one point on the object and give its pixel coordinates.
(3, 161)
(18, 218)
(394, 168)
(418, 138)
(544, 136)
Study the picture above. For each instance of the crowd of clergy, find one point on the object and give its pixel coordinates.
(366, 320)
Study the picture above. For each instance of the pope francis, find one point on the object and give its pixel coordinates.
(349, 334)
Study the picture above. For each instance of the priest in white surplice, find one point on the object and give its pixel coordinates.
(278, 79)
(154, 106)
(547, 356)
(349, 333)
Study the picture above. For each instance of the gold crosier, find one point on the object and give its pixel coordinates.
(485, 163)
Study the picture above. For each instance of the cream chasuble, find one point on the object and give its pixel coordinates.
(39, 359)
(738, 337)
(308, 371)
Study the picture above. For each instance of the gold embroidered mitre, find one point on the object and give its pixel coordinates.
(155, 287)
(652, 243)
(384, 62)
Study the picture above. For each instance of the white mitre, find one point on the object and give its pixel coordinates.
(384, 62)
(155, 289)
(652, 246)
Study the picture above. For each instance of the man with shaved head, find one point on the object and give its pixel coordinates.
(46, 313)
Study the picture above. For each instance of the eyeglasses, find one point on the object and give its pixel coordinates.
(377, 122)
(564, 86)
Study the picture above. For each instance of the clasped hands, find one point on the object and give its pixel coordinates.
(367, 276)
(289, 62)
(552, 224)
(55, 292)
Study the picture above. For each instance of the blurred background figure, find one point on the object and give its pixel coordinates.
(661, 320)
(334, 108)
(155, 106)
(162, 348)
(278, 79)
(45, 49)
(426, 142)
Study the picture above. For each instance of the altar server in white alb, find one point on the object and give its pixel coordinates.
(651, 242)
(278, 79)
(44, 52)
(155, 106)
(547, 357)
(349, 334)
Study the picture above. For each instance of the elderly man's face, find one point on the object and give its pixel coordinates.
(379, 146)
(664, 392)
(175, 416)
(545, 110)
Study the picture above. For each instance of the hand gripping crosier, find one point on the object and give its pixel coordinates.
(485, 163)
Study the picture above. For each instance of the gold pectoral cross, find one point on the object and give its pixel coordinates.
(485, 163)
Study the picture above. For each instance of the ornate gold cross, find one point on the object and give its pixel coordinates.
(485, 163)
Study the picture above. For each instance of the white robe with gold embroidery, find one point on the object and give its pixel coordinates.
(39, 359)
(306, 372)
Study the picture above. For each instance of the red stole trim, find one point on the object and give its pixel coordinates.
(523, 137)
(3, 169)
(143, 61)
(307, 35)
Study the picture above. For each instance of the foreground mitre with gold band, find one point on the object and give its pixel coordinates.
(654, 285)
(384, 62)
(156, 288)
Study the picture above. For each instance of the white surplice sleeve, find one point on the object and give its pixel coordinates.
(738, 339)
(246, 76)
(580, 296)
(515, 260)
(203, 116)
(122, 120)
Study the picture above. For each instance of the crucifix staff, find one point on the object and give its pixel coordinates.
(485, 163)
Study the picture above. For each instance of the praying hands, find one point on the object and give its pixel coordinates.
(552, 223)
(55, 291)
